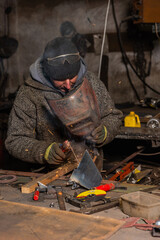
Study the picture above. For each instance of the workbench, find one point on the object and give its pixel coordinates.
(23, 218)
(144, 132)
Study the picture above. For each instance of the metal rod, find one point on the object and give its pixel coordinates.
(74, 153)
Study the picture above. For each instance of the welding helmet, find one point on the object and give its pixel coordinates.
(61, 59)
(79, 112)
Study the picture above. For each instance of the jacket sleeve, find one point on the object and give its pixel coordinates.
(111, 117)
(21, 139)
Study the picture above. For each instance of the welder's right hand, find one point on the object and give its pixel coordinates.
(54, 154)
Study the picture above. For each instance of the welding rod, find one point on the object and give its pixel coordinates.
(73, 153)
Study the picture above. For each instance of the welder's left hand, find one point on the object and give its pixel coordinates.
(98, 135)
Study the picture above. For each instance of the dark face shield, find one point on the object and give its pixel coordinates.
(70, 58)
(79, 112)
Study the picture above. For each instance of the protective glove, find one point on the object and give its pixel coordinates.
(98, 135)
(54, 154)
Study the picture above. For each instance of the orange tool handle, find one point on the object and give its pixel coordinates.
(123, 172)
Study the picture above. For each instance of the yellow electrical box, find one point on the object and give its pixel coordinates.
(132, 120)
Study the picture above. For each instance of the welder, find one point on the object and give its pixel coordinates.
(60, 100)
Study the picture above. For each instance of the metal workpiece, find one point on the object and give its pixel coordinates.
(86, 174)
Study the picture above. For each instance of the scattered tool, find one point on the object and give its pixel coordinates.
(60, 198)
(91, 195)
(42, 188)
(154, 122)
(110, 186)
(156, 229)
(137, 177)
(106, 187)
(36, 194)
(50, 190)
(65, 146)
(86, 174)
(119, 176)
(90, 207)
(127, 159)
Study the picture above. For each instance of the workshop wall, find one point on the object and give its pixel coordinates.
(34, 23)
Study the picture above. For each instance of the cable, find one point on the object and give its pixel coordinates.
(149, 154)
(122, 51)
(124, 55)
(103, 41)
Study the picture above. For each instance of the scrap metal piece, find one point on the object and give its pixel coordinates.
(86, 174)
(97, 208)
(153, 123)
(7, 178)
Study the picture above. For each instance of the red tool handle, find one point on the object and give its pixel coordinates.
(106, 187)
(36, 195)
(65, 147)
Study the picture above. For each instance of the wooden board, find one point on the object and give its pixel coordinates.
(49, 177)
(20, 221)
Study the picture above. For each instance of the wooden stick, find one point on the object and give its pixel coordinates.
(49, 177)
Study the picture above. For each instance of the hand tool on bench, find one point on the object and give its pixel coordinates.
(98, 193)
(119, 176)
(90, 206)
(51, 189)
(156, 229)
(91, 195)
(60, 198)
(42, 188)
(127, 159)
(110, 186)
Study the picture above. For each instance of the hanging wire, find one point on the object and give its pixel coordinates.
(126, 60)
(123, 52)
(156, 30)
(103, 40)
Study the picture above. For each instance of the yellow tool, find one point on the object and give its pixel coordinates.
(94, 195)
(132, 120)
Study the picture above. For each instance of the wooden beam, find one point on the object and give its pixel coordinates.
(49, 177)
